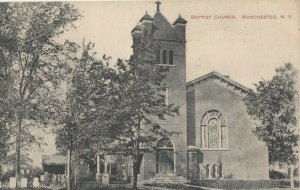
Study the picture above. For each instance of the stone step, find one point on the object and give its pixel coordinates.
(167, 179)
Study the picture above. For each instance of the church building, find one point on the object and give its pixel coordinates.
(216, 139)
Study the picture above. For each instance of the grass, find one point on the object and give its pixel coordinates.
(244, 184)
(219, 184)
(173, 186)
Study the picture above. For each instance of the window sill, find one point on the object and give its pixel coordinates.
(166, 65)
(213, 149)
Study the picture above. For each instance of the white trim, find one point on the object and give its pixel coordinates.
(214, 73)
(212, 149)
(179, 24)
(167, 95)
(166, 65)
(146, 21)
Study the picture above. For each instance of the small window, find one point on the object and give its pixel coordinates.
(220, 171)
(171, 57)
(214, 171)
(158, 56)
(207, 171)
(164, 56)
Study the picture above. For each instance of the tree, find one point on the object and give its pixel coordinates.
(4, 130)
(138, 100)
(30, 59)
(273, 106)
(81, 124)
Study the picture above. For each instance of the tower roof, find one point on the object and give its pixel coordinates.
(180, 20)
(146, 17)
(165, 31)
(136, 28)
(161, 27)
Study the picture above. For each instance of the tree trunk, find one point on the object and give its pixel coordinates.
(292, 175)
(135, 165)
(135, 171)
(69, 170)
(18, 150)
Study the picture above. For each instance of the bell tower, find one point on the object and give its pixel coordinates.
(172, 54)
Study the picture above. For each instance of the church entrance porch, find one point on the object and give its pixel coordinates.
(116, 165)
(165, 157)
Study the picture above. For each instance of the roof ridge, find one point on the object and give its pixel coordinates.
(166, 31)
(224, 77)
(164, 18)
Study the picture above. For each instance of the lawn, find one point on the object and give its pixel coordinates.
(219, 184)
(244, 184)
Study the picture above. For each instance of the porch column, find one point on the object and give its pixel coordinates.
(105, 164)
(98, 164)
(175, 163)
(105, 176)
(98, 176)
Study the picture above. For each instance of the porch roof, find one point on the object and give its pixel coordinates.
(122, 151)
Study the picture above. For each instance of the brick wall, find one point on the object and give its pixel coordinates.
(246, 157)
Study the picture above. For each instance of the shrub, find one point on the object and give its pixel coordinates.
(276, 175)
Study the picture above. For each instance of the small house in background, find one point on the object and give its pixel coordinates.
(55, 163)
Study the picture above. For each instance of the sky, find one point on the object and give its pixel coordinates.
(247, 50)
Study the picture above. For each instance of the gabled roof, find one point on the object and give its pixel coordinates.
(224, 78)
(165, 31)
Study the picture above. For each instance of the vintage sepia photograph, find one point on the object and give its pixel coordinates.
(149, 94)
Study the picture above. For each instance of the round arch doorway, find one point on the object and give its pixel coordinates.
(165, 157)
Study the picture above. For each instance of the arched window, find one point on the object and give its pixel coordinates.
(220, 171)
(214, 171)
(164, 143)
(207, 171)
(213, 130)
(165, 157)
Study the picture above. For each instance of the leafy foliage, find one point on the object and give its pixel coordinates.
(31, 65)
(273, 105)
(138, 99)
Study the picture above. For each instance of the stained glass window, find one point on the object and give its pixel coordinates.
(214, 130)
(213, 133)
